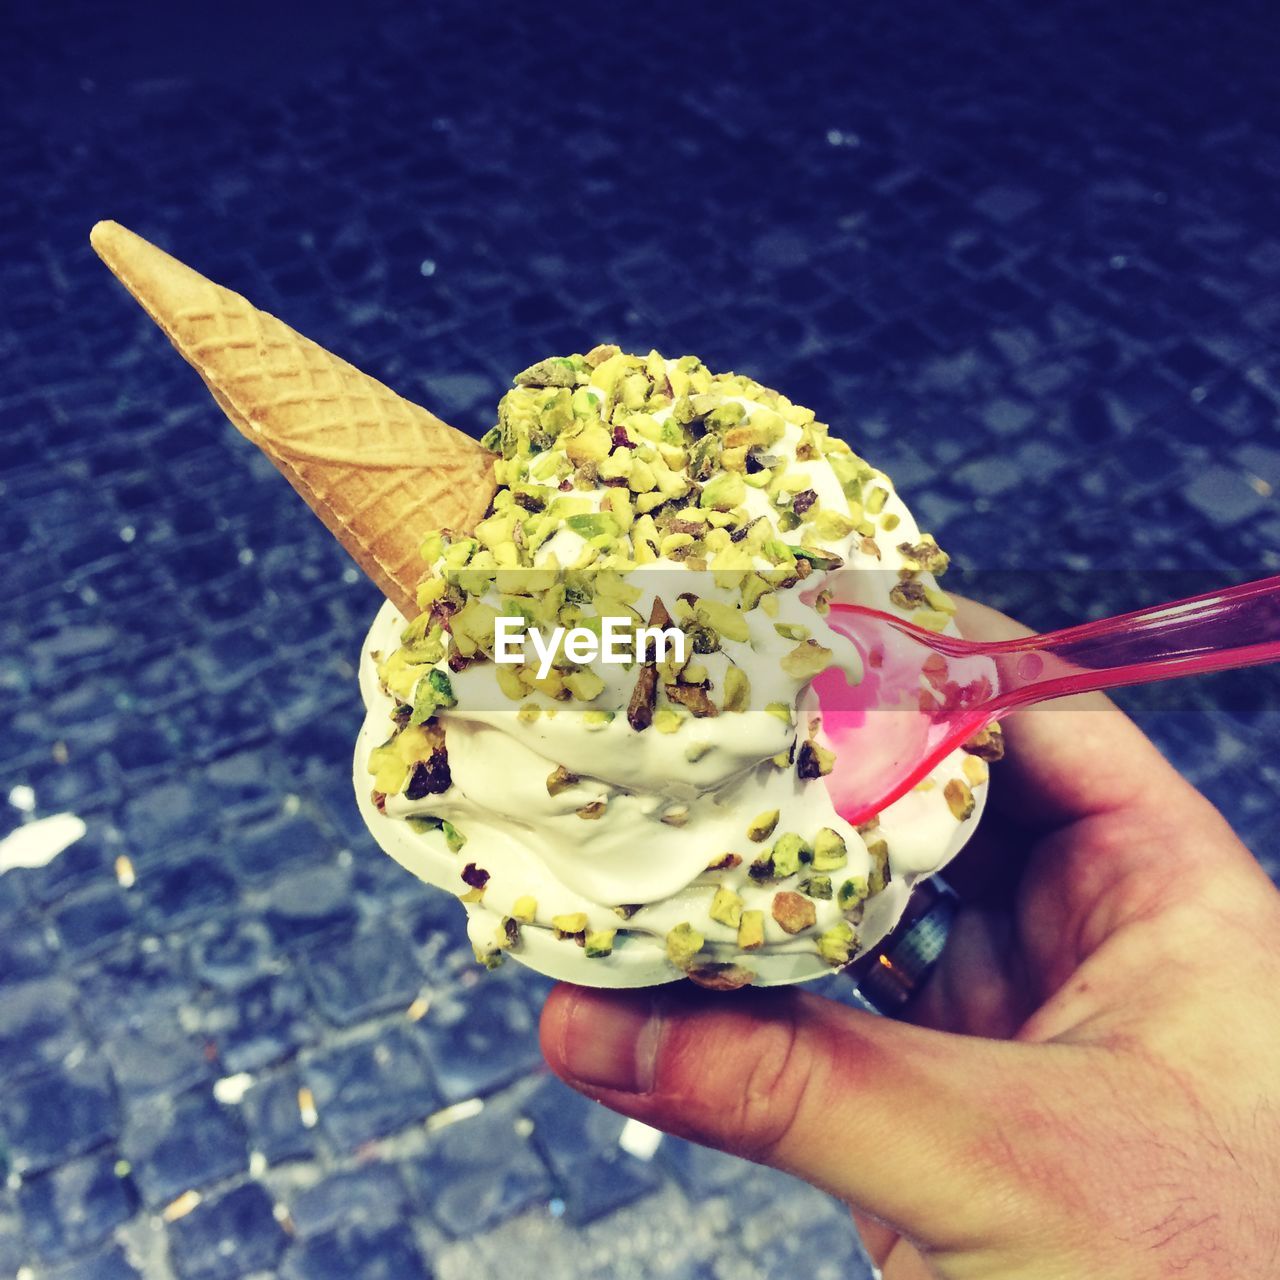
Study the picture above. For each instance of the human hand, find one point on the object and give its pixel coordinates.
(1089, 1084)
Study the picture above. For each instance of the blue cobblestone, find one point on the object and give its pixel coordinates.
(75, 1207)
(304, 904)
(25, 950)
(702, 1172)
(579, 1139)
(37, 1025)
(274, 1120)
(480, 1171)
(821, 1245)
(180, 1143)
(353, 979)
(198, 889)
(13, 888)
(156, 1053)
(258, 1024)
(356, 1253)
(85, 863)
(379, 891)
(371, 1087)
(141, 977)
(230, 953)
(58, 1114)
(110, 1263)
(90, 921)
(481, 1038)
(13, 1248)
(241, 784)
(230, 1236)
(370, 1196)
(264, 852)
(166, 816)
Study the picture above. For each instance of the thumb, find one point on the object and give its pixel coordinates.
(901, 1121)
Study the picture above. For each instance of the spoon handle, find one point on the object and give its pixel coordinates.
(1235, 627)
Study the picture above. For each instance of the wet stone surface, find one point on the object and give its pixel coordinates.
(235, 1039)
(371, 1087)
(232, 1235)
(77, 1205)
(59, 1113)
(183, 1142)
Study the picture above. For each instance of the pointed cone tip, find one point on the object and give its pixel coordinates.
(106, 238)
(102, 232)
(159, 282)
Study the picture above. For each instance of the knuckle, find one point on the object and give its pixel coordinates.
(768, 1104)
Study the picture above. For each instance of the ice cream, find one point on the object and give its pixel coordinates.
(613, 823)
(631, 823)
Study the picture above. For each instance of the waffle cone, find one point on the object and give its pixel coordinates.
(380, 471)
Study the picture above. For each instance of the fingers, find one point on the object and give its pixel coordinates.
(878, 1238)
(895, 1257)
(980, 986)
(1071, 757)
(884, 1115)
(1081, 757)
(1094, 830)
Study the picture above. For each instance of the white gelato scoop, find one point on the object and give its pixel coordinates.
(610, 847)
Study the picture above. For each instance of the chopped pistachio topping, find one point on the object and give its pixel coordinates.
(667, 720)
(560, 779)
(814, 760)
(599, 942)
(737, 690)
(793, 911)
(683, 943)
(639, 458)
(959, 799)
(787, 854)
(433, 691)
(852, 892)
(726, 907)
(925, 554)
(838, 945)
(880, 873)
(751, 931)
(760, 828)
(829, 850)
(569, 925)
(721, 977)
(816, 886)
(807, 660)
(987, 744)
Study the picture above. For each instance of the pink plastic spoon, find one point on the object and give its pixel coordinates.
(924, 694)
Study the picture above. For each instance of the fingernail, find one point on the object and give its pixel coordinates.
(612, 1042)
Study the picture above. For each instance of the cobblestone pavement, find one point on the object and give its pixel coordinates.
(1025, 257)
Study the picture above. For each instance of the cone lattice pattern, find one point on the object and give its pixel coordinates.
(380, 471)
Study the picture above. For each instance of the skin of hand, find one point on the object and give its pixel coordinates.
(1088, 1085)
